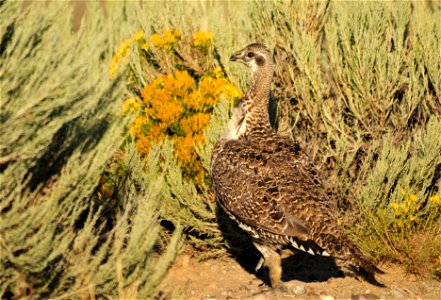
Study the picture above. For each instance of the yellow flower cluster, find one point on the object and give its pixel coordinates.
(179, 106)
(202, 39)
(405, 211)
(167, 39)
(138, 35)
(122, 51)
(436, 200)
(130, 105)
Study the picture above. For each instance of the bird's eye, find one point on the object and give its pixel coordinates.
(250, 54)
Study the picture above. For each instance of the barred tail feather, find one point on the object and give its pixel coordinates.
(351, 257)
(364, 268)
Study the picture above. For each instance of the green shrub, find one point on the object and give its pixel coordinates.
(60, 127)
(399, 220)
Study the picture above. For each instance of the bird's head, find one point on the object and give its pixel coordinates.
(254, 56)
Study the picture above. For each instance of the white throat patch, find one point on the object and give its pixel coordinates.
(236, 126)
(253, 65)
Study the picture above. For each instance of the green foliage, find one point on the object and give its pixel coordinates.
(399, 221)
(412, 165)
(219, 120)
(181, 203)
(60, 126)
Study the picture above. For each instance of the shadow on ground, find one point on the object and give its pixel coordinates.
(300, 266)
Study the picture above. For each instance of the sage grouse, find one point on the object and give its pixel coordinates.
(267, 184)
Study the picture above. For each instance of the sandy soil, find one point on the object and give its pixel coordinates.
(304, 277)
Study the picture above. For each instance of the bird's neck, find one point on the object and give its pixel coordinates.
(251, 117)
(256, 102)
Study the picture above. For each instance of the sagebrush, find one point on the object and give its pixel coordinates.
(357, 85)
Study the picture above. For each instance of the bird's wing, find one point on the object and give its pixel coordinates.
(276, 189)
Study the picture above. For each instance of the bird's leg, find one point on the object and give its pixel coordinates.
(273, 261)
(259, 264)
(285, 253)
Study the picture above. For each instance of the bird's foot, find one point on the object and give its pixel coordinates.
(280, 289)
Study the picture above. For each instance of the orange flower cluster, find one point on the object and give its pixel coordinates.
(179, 106)
(177, 103)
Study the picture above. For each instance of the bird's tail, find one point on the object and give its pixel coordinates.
(349, 256)
(364, 268)
(360, 265)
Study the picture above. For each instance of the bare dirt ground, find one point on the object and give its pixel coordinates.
(304, 277)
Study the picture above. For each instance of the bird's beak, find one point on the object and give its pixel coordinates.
(237, 56)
